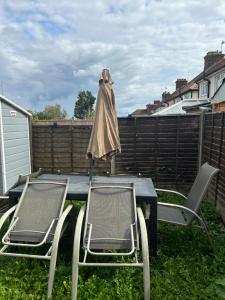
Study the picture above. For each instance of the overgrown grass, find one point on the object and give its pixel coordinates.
(186, 268)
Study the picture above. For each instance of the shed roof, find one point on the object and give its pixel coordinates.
(10, 102)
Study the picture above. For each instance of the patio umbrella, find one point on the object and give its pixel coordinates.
(104, 141)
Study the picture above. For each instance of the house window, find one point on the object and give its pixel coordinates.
(203, 89)
(219, 79)
(187, 96)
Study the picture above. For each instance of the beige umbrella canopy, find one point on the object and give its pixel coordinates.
(104, 141)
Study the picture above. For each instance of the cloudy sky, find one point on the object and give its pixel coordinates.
(50, 50)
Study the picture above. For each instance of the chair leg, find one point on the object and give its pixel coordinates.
(205, 228)
(76, 252)
(55, 245)
(51, 275)
(145, 254)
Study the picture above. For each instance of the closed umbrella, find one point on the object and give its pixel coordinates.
(104, 141)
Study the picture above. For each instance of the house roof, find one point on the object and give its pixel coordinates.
(193, 84)
(190, 86)
(10, 102)
(139, 112)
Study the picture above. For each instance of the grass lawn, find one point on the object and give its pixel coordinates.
(186, 268)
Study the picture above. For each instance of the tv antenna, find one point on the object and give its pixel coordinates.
(1, 87)
(223, 42)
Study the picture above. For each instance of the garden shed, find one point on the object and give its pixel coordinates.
(15, 156)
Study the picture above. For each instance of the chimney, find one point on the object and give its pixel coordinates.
(180, 82)
(157, 101)
(165, 96)
(150, 108)
(211, 58)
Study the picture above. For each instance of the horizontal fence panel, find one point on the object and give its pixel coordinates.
(164, 148)
(168, 142)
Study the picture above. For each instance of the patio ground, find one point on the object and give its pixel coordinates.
(186, 268)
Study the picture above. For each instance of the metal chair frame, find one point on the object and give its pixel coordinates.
(144, 264)
(51, 253)
(184, 209)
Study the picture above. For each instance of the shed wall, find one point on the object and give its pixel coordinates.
(16, 144)
(1, 178)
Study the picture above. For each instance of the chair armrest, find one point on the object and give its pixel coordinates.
(172, 192)
(6, 215)
(59, 227)
(184, 208)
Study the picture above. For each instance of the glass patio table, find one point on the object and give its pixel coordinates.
(78, 190)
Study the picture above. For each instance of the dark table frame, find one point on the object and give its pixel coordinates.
(15, 193)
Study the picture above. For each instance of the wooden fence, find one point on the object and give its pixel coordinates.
(63, 147)
(214, 153)
(164, 148)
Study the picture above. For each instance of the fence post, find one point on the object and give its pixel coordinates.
(156, 143)
(135, 146)
(177, 148)
(201, 137)
(52, 150)
(71, 147)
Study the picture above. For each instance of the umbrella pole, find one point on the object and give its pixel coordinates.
(92, 164)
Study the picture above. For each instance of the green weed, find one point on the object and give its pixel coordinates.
(186, 268)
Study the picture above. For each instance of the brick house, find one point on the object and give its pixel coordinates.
(149, 110)
(213, 74)
(197, 92)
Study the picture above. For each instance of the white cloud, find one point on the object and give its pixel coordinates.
(50, 50)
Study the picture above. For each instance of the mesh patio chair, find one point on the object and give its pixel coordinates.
(111, 228)
(38, 219)
(4, 199)
(185, 214)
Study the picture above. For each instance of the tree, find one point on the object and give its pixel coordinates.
(50, 112)
(84, 105)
